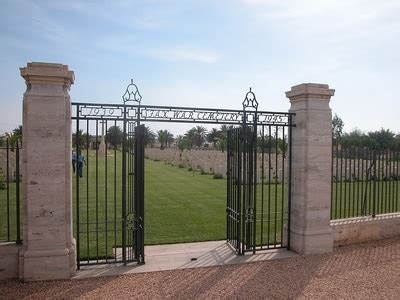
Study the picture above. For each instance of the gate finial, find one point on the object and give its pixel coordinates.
(132, 93)
(250, 100)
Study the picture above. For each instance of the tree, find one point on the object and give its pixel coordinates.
(224, 130)
(222, 144)
(381, 139)
(199, 135)
(376, 140)
(18, 131)
(213, 136)
(14, 137)
(396, 143)
(165, 138)
(223, 137)
(170, 139)
(269, 144)
(114, 136)
(182, 142)
(283, 147)
(2, 140)
(149, 137)
(190, 136)
(354, 138)
(337, 127)
(82, 139)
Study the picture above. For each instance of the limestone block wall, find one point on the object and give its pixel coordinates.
(364, 229)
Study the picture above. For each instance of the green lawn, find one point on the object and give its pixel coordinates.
(180, 206)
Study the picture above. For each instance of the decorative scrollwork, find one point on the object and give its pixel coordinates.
(150, 113)
(101, 111)
(190, 115)
(132, 93)
(250, 101)
(272, 118)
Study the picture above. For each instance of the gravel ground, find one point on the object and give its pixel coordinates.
(369, 270)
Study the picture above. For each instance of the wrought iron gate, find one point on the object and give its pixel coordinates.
(133, 193)
(241, 189)
(258, 183)
(109, 181)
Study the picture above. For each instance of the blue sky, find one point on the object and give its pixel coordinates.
(208, 53)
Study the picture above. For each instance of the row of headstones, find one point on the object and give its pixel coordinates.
(215, 162)
(12, 165)
(365, 170)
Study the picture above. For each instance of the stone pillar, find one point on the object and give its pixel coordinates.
(48, 246)
(310, 231)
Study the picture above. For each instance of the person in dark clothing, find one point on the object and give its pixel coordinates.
(81, 161)
(73, 161)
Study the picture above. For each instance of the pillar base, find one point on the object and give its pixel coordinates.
(40, 265)
(306, 243)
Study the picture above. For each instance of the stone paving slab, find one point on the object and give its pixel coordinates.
(179, 256)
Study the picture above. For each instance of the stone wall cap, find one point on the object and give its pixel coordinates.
(310, 89)
(363, 219)
(43, 70)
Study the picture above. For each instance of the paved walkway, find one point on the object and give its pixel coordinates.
(360, 271)
(179, 256)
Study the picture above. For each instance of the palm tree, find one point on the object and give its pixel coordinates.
(12, 140)
(190, 136)
(213, 136)
(224, 129)
(165, 138)
(182, 142)
(114, 136)
(18, 132)
(223, 136)
(14, 137)
(149, 137)
(199, 135)
(170, 138)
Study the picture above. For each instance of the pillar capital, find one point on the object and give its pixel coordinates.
(310, 90)
(41, 78)
(39, 71)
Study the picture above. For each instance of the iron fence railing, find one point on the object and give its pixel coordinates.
(365, 182)
(10, 179)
